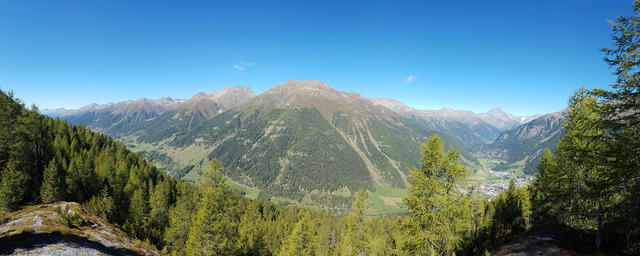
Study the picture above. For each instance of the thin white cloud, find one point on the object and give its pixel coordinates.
(244, 65)
(238, 67)
(411, 78)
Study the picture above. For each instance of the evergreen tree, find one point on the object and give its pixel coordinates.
(180, 219)
(213, 175)
(545, 189)
(621, 112)
(300, 241)
(512, 211)
(250, 231)
(355, 239)
(215, 229)
(159, 203)
(51, 189)
(102, 205)
(138, 213)
(438, 208)
(11, 187)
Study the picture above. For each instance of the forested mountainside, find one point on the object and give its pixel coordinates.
(469, 129)
(46, 160)
(495, 117)
(523, 145)
(121, 117)
(300, 140)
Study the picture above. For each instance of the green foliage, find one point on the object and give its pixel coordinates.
(102, 205)
(439, 210)
(512, 213)
(300, 241)
(138, 220)
(355, 237)
(180, 218)
(51, 189)
(75, 164)
(620, 109)
(570, 182)
(215, 229)
(251, 231)
(213, 175)
(69, 217)
(596, 160)
(11, 187)
(523, 145)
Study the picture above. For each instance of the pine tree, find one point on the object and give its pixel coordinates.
(620, 108)
(138, 220)
(250, 231)
(180, 219)
(512, 211)
(159, 214)
(213, 175)
(215, 229)
(544, 190)
(355, 240)
(51, 189)
(438, 208)
(11, 187)
(300, 241)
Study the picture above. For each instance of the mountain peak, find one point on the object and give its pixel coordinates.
(496, 110)
(393, 105)
(213, 103)
(307, 84)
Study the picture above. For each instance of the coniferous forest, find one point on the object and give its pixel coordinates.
(591, 185)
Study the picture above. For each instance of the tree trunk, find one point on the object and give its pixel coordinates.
(599, 234)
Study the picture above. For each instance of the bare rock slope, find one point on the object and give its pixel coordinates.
(38, 230)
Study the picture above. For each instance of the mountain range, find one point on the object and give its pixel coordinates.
(304, 141)
(523, 146)
(469, 128)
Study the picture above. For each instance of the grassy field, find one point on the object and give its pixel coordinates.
(386, 201)
(137, 147)
(247, 191)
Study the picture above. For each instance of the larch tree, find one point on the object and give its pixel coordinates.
(355, 237)
(215, 229)
(300, 241)
(438, 207)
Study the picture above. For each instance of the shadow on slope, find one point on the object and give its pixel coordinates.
(55, 243)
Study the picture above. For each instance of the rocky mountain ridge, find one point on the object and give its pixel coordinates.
(302, 141)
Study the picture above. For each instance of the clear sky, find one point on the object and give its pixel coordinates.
(523, 56)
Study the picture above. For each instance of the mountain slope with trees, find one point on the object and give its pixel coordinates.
(301, 140)
(179, 217)
(468, 128)
(305, 139)
(523, 146)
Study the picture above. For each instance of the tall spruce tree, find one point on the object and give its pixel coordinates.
(215, 229)
(300, 241)
(355, 237)
(621, 112)
(438, 207)
(51, 189)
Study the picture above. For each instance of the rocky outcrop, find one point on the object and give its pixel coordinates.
(38, 230)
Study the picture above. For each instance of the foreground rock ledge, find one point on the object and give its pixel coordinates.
(37, 230)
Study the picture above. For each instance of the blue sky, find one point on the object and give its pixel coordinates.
(523, 56)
